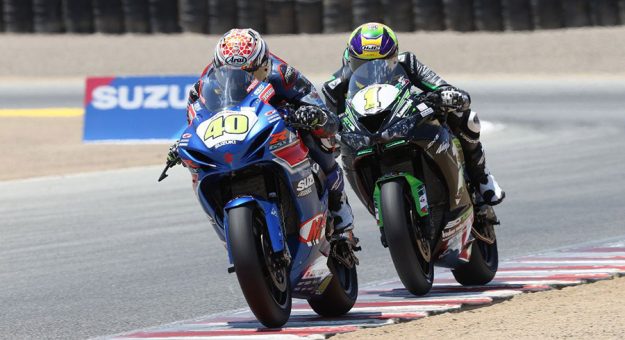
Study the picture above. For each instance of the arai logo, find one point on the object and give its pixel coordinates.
(236, 60)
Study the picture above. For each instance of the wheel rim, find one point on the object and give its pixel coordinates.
(422, 245)
(275, 274)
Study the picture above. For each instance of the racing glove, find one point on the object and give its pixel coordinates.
(453, 99)
(307, 117)
(172, 156)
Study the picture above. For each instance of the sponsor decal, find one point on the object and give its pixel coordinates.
(236, 60)
(258, 90)
(433, 141)
(226, 127)
(443, 147)
(252, 85)
(456, 226)
(311, 231)
(334, 83)
(137, 97)
(187, 135)
(404, 109)
(272, 116)
(304, 186)
(266, 95)
(370, 48)
(424, 110)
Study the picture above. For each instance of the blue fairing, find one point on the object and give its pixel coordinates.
(251, 137)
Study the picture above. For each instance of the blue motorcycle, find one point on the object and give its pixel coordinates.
(266, 198)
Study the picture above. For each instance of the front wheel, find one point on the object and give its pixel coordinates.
(265, 283)
(411, 253)
(482, 266)
(340, 295)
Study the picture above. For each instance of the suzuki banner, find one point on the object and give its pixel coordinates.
(136, 108)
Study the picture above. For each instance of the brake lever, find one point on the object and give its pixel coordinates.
(168, 165)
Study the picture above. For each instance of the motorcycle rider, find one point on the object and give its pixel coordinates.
(245, 49)
(373, 41)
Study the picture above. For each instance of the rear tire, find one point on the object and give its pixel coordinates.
(397, 207)
(266, 289)
(340, 295)
(482, 266)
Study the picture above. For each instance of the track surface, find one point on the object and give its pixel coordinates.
(103, 253)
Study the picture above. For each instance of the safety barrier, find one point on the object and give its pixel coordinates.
(301, 16)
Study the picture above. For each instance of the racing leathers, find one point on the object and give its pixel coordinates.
(316, 125)
(463, 122)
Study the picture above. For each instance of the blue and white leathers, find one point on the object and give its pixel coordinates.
(240, 152)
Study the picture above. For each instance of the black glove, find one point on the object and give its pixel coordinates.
(193, 92)
(453, 99)
(307, 117)
(172, 156)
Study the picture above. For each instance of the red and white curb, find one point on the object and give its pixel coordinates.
(388, 302)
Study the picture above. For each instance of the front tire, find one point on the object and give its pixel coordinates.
(265, 286)
(340, 295)
(401, 230)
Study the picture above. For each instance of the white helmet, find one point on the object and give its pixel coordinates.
(244, 49)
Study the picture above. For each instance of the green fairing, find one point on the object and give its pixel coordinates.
(430, 86)
(416, 187)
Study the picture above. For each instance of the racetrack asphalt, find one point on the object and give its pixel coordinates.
(101, 253)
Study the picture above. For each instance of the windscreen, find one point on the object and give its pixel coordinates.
(225, 87)
(372, 72)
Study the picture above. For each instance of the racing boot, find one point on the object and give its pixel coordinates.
(343, 242)
(482, 180)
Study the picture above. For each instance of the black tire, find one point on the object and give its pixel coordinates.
(78, 16)
(414, 271)
(548, 13)
(576, 13)
(251, 14)
(398, 15)
(428, 15)
(280, 16)
(459, 15)
(164, 16)
(364, 11)
(194, 16)
(482, 266)
(18, 16)
(341, 293)
(249, 244)
(488, 15)
(222, 16)
(136, 16)
(47, 16)
(517, 15)
(337, 16)
(605, 12)
(309, 16)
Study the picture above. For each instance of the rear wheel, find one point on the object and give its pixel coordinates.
(410, 251)
(264, 282)
(340, 295)
(482, 266)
